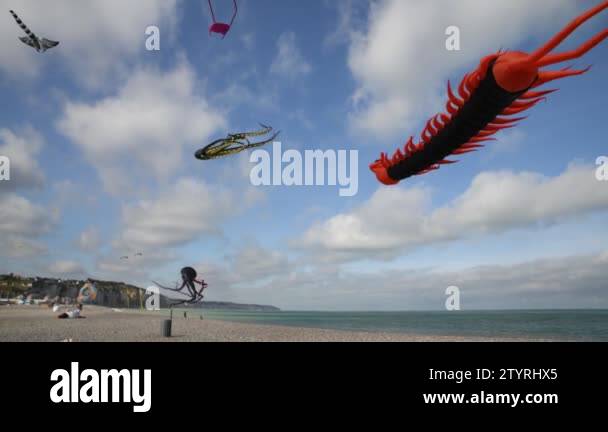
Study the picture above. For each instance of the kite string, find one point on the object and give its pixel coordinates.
(212, 13)
(236, 11)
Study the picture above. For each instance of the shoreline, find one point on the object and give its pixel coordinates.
(40, 324)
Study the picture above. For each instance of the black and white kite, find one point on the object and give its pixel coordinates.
(40, 45)
(191, 295)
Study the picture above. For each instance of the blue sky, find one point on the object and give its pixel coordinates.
(101, 135)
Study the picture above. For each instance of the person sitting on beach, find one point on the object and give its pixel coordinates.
(72, 314)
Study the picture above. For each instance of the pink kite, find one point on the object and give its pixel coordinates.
(219, 27)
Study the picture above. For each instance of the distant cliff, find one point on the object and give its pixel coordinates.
(238, 306)
(110, 294)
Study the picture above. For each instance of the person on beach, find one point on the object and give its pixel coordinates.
(72, 314)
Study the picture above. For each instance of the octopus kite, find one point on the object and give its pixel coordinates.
(40, 45)
(220, 27)
(191, 295)
(235, 143)
(487, 101)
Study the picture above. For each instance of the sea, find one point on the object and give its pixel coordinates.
(559, 325)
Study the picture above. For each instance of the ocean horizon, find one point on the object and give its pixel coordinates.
(558, 324)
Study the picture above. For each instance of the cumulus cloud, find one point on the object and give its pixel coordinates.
(21, 224)
(554, 282)
(18, 247)
(178, 216)
(144, 129)
(98, 37)
(19, 216)
(289, 62)
(400, 63)
(22, 149)
(182, 213)
(495, 202)
(22, 221)
(136, 267)
(350, 16)
(244, 275)
(253, 263)
(66, 268)
(89, 240)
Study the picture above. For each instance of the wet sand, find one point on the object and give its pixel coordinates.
(40, 324)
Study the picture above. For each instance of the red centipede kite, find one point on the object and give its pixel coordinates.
(486, 102)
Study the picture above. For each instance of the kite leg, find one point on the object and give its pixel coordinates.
(574, 54)
(263, 143)
(517, 71)
(537, 55)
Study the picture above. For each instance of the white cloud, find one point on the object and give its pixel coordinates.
(289, 62)
(89, 240)
(350, 16)
(22, 149)
(400, 62)
(178, 216)
(21, 224)
(18, 247)
(554, 282)
(254, 263)
(19, 216)
(156, 228)
(98, 37)
(135, 268)
(243, 275)
(495, 202)
(66, 268)
(144, 130)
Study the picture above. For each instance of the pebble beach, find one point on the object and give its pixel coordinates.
(40, 324)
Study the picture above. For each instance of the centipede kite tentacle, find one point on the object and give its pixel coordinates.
(489, 99)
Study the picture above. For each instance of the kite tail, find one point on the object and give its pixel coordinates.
(23, 26)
